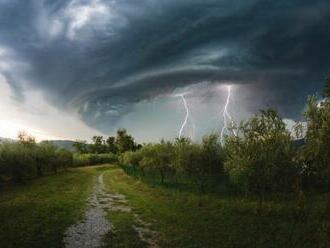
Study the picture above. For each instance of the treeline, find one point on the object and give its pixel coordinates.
(102, 151)
(26, 159)
(120, 143)
(260, 159)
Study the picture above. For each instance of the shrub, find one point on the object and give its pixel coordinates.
(18, 162)
(94, 159)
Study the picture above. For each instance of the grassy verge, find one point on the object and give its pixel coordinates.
(37, 214)
(222, 221)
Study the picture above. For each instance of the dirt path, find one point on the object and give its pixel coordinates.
(90, 231)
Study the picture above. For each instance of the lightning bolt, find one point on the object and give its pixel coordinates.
(186, 117)
(227, 119)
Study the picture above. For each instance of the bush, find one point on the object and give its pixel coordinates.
(18, 162)
(93, 159)
(64, 158)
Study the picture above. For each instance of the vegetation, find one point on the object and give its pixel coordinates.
(260, 159)
(224, 218)
(26, 159)
(121, 143)
(37, 214)
(317, 149)
(326, 90)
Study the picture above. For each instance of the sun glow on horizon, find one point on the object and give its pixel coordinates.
(10, 129)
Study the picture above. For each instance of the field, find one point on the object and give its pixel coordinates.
(37, 214)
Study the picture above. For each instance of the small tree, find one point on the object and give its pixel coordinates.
(326, 90)
(111, 144)
(124, 141)
(317, 149)
(158, 157)
(260, 157)
(81, 146)
(98, 146)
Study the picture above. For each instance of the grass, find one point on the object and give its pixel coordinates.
(37, 214)
(223, 221)
(123, 235)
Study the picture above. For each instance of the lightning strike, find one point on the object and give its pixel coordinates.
(186, 117)
(227, 119)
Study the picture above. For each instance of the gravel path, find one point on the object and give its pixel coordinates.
(90, 231)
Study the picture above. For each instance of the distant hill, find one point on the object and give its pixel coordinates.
(6, 140)
(65, 144)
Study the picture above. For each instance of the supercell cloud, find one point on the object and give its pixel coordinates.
(117, 63)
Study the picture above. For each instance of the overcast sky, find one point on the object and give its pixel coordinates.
(75, 68)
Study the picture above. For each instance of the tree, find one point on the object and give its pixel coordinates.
(98, 145)
(46, 157)
(124, 141)
(64, 158)
(260, 158)
(80, 146)
(111, 144)
(213, 156)
(326, 90)
(26, 139)
(158, 157)
(317, 151)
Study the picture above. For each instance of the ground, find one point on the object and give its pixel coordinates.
(58, 210)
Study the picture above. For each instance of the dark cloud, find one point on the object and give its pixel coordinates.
(99, 58)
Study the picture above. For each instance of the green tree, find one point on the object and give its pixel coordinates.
(326, 90)
(212, 155)
(46, 157)
(81, 146)
(317, 149)
(111, 144)
(124, 141)
(260, 158)
(98, 146)
(158, 157)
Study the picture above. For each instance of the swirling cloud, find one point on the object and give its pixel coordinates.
(104, 59)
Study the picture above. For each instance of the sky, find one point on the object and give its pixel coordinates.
(71, 69)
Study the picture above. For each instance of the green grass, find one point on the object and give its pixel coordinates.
(123, 234)
(223, 221)
(37, 214)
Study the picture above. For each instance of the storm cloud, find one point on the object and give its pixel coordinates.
(106, 59)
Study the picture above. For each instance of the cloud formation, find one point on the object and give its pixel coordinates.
(105, 59)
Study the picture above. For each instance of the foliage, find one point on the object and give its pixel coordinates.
(26, 159)
(121, 143)
(93, 159)
(124, 142)
(260, 158)
(326, 90)
(18, 162)
(158, 157)
(317, 149)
